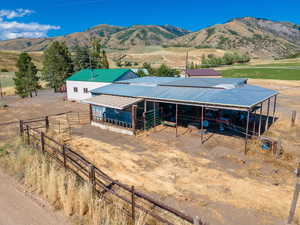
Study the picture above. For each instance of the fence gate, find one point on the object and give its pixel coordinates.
(152, 119)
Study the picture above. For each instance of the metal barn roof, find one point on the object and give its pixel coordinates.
(98, 75)
(244, 97)
(184, 82)
(116, 102)
(206, 82)
(149, 80)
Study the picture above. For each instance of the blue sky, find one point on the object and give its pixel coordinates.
(35, 18)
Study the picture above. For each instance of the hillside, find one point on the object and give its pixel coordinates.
(113, 37)
(258, 37)
(156, 55)
(8, 59)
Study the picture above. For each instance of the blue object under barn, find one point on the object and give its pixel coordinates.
(100, 112)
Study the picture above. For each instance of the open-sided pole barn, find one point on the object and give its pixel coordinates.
(218, 105)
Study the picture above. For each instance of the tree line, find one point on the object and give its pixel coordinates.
(162, 71)
(213, 61)
(58, 64)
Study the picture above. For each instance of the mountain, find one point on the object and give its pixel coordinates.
(114, 37)
(258, 37)
(255, 36)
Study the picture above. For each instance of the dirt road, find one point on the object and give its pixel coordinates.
(19, 208)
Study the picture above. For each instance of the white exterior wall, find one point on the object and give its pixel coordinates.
(80, 95)
(112, 128)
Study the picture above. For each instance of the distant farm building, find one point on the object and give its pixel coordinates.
(80, 83)
(219, 105)
(202, 73)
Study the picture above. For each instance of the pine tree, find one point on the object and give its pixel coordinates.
(105, 63)
(81, 58)
(57, 65)
(96, 54)
(26, 79)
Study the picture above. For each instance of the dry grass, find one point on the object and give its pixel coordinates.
(62, 189)
(173, 173)
(8, 91)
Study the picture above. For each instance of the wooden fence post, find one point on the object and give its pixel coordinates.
(92, 176)
(295, 197)
(132, 205)
(28, 136)
(47, 123)
(64, 155)
(294, 113)
(21, 128)
(43, 142)
(196, 220)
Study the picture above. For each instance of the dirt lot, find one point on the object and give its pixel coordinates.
(214, 180)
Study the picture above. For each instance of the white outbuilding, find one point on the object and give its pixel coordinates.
(81, 82)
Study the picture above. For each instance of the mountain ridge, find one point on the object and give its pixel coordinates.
(258, 37)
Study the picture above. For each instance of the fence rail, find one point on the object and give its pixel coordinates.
(99, 180)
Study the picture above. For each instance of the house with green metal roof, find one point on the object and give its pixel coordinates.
(80, 83)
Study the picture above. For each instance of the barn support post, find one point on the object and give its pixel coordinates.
(202, 115)
(133, 117)
(260, 115)
(176, 119)
(274, 108)
(144, 114)
(132, 205)
(268, 114)
(154, 116)
(254, 124)
(247, 128)
(91, 113)
(295, 197)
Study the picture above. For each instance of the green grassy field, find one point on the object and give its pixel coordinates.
(6, 79)
(263, 73)
(284, 70)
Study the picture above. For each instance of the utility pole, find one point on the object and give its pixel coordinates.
(186, 61)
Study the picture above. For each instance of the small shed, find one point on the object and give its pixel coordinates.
(203, 73)
(81, 82)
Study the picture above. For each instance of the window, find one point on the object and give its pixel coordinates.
(85, 90)
(75, 89)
